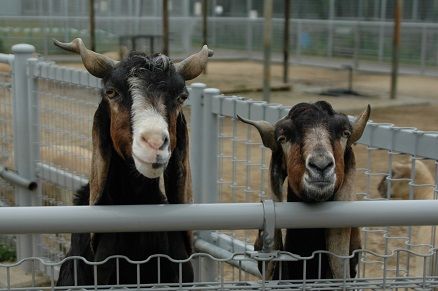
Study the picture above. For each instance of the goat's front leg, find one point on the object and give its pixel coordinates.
(338, 242)
(278, 246)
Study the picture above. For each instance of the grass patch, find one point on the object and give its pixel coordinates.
(7, 253)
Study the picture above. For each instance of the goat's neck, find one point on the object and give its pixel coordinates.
(125, 185)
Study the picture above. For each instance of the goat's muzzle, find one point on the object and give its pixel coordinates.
(320, 177)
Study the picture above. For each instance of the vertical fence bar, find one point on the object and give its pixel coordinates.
(209, 148)
(32, 99)
(22, 140)
(206, 268)
(196, 132)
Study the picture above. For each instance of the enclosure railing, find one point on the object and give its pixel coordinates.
(319, 42)
(51, 118)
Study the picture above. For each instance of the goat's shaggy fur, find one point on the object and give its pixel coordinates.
(139, 136)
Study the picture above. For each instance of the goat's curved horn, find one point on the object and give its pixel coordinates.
(359, 125)
(96, 64)
(192, 66)
(266, 130)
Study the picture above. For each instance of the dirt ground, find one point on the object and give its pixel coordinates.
(416, 106)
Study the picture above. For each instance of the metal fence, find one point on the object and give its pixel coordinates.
(48, 112)
(366, 45)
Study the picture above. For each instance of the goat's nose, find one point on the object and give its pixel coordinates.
(320, 163)
(156, 140)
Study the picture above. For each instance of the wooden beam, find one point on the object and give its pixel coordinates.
(286, 39)
(165, 19)
(396, 47)
(92, 25)
(204, 25)
(267, 31)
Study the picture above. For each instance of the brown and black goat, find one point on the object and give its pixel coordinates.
(311, 147)
(139, 135)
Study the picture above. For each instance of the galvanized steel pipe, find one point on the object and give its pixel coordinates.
(129, 218)
(16, 179)
(6, 58)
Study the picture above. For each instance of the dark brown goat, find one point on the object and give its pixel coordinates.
(311, 147)
(139, 134)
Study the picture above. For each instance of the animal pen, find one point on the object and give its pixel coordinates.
(45, 135)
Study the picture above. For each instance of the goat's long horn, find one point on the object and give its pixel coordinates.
(359, 125)
(266, 130)
(96, 64)
(192, 66)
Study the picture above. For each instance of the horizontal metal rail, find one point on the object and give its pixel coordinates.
(6, 58)
(14, 178)
(131, 218)
(61, 178)
(378, 135)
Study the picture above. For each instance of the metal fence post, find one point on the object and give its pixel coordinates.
(209, 148)
(22, 140)
(34, 145)
(207, 269)
(196, 139)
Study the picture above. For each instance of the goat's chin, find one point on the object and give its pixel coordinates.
(317, 194)
(150, 170)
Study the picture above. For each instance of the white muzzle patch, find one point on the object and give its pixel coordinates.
(150, 145)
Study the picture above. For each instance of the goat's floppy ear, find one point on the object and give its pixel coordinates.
(359, 126)
(266, 130)
(278, 173)
(101, 158)
(177, 179)
(176, 175)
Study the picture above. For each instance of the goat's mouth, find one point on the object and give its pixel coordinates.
(318, 183)
(318, 190)
(147, 169)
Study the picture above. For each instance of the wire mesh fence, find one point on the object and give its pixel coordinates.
(388, 168)
(6, 148)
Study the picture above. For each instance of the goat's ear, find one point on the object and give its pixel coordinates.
(359, 126)
(176, 175)
(101, 158)
(278, 173)
(177, 179)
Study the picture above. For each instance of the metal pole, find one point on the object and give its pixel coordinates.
(230, 216)
(165, 27)
(33, 113)
(396, 48)
(92, 25)
(209, 148)
(286, 39)
(22, 140)
(267, 30)
(196, 139)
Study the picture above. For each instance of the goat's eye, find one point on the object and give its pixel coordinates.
(110, 93)
(346, 133)
(281, 139)
(181, 98)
